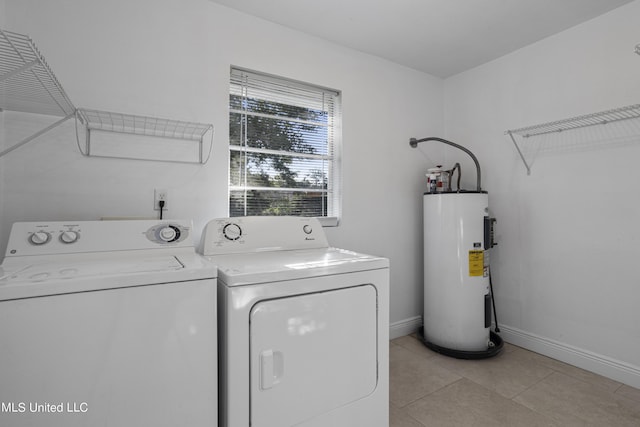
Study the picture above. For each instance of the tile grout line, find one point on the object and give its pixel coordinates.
(552, 371)
(430, 393)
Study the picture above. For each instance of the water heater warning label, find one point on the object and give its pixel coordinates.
(476, 263)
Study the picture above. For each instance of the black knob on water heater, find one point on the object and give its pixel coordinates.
(489, 236)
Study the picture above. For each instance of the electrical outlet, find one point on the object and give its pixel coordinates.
(160, 194)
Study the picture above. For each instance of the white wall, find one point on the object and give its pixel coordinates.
(565, 271)
(171, 58)
(2, 144)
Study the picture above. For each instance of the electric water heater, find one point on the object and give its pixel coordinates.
(458, 233)
(457, 299)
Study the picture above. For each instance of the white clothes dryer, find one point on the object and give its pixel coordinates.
(303, 327)
(107, 323)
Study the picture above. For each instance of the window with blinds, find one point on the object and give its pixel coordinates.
(284, 139)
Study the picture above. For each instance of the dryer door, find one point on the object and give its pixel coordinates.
(311, 354)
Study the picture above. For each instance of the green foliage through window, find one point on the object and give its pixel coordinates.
(282, 142)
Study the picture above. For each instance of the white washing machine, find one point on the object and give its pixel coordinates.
(303, 327)
(107, 323)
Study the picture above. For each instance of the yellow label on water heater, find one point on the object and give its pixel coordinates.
(476, 263)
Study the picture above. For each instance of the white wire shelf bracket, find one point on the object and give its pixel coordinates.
(105, 121)
(601, 118)
(28, 85)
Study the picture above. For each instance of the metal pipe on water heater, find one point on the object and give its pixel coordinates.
(413, 142)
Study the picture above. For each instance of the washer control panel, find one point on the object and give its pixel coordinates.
(50, 238)
(41, 234)
(258, 234)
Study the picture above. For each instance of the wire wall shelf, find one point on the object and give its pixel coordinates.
(28, 85)
(142, 125)
(595, 119)
(95, 120)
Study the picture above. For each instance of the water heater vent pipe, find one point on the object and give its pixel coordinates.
(413, 142)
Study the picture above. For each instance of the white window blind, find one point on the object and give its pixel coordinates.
(284, 139)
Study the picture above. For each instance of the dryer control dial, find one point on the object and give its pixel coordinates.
(232, 231)
(39, 238)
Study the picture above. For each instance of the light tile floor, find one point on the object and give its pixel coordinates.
(515, 388)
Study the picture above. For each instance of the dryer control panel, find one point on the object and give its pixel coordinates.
(259, 234)
(67, 237)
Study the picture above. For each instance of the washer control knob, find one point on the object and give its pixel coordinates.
(307, 229)
(168, 234)
(39, 238)
(69, 236)
(232, 231)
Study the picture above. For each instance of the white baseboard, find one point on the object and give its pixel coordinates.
(404, 327)
(593, 362)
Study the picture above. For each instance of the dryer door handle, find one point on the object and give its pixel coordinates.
(271, 368)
